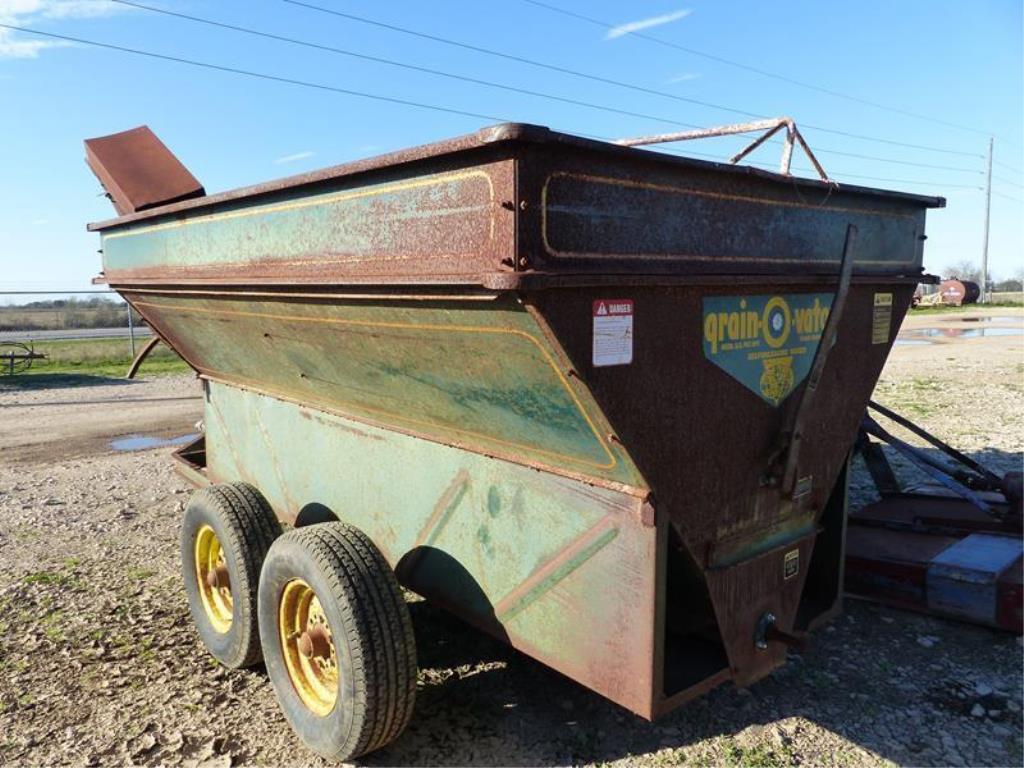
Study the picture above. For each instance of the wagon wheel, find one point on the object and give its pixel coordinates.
(225, 535)
(337, 639)
(15, 357)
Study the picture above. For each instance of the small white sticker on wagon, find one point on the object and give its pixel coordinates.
(613, 332)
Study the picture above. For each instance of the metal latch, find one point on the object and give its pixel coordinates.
(785, 458)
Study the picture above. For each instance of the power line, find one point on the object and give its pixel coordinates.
(521, 59)
(478, 81)
(1007, 181)
(911, 181)
(404, 65)
(1007, 167)
(765, 73)
(345, 91)
(899, 162)
(609, 81)
(825, 151)
(260, 75)
(834, 177)
(1008, 197)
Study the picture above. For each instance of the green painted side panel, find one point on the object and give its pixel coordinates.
(561, 569)
(408, 218)
(475, 374)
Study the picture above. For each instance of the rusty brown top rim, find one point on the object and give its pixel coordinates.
(502, 132)
(485, 285)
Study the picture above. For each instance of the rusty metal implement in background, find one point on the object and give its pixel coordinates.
(770, 128)
(548, 377)
(16, 357)
(953, 547)
(143, 353)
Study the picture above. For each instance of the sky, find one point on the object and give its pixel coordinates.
(943, 75)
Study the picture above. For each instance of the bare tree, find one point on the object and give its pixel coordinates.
(965, 269)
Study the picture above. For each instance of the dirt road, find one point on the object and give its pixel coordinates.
(99, 664)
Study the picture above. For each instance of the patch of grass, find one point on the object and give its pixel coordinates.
(760, 756)
(140, 574)
(667, 757)
(145, 650)
(101, 357)
(65, 577)
(48, 577)
(926, 384)
(944, 310)
(26, 533)
(17, 666)
(916, 408)
(53, 626)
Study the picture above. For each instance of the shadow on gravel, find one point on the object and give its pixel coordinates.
(911, 478)
(103, 401)
(867, 679)
(37, 381)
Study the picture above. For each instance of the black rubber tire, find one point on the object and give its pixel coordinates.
(245, 526)
(372, 633)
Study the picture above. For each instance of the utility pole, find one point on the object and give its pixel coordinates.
(984, 242)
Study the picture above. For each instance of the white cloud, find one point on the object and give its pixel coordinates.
(293, 158)
(654, 21)
(24, 12)
(25, 49)
(683, 77)
(58, 9)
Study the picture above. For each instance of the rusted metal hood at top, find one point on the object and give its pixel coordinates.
(502, 133)
(139, 172)
(506, 206)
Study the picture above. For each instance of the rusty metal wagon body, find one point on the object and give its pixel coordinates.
(561, 384)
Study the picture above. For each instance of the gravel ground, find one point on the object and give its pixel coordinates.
(99, 664)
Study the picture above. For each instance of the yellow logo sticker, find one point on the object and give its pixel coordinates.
(766, 342)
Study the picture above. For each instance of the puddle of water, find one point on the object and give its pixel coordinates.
(911, 342)
(992, 319)
(960, 333)
(145, 442)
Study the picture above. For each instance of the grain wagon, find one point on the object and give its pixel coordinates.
(596, 400)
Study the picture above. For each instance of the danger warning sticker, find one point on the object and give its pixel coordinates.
(613, 332)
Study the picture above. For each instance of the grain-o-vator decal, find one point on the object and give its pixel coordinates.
(767, 343)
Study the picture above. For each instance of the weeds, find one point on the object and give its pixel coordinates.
(760, 756)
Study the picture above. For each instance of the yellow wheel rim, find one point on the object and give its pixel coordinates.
(212, 577)
(308, 646)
